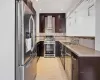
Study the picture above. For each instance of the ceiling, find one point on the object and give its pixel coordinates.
(54, 6)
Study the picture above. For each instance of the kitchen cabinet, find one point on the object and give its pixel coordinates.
(62, 57)
(60, 52)
(68, 63)
(40, 48)
(60, 22)
(58, 49)
(89, 68)
(75, 68)
(82, 64)
(42, 24)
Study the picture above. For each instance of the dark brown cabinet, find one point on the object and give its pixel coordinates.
(81, 63)
(85, 68)
(58, 49)
(74, 68)
(68, 63)
(40, 48)
(60, 22)
(42, 24)
(89, 68)
(81, 68)
(63, 55)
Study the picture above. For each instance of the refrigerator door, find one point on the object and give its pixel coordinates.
(25, 67)
(24, 43)
(20, 61)
(28, 39)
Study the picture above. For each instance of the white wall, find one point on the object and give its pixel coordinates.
(79, 23)
(7, 26)
(97, 38)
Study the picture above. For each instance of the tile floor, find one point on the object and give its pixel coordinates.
(50, 69)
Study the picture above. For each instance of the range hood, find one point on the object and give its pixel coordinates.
(49, 25)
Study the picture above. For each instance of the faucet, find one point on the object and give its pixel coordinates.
(75, 41)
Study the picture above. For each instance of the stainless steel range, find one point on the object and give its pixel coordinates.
(49, 46)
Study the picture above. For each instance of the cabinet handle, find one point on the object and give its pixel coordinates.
(82, 72)
(67, 54)
(74, 58)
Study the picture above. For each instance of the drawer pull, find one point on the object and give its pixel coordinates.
(82, 72)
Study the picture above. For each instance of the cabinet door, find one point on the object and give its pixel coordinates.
(40, 49)
(60, 23)
(58, 49)
(74, 69)
(42, 24)
(89, 68)
(63, 55)
(68, 64)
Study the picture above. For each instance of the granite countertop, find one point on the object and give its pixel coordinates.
(82, 51)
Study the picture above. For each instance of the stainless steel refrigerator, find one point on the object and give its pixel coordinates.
(25, 43)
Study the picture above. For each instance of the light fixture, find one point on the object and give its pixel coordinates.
(62, 9)
(40, 9)
(37, 0)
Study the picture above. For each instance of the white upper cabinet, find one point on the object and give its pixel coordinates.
(82, 21)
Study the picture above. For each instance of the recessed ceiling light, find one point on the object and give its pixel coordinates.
(36, 0)
(61, 9)
(40, 9)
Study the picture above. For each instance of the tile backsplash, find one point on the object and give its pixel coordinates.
(87, 43)
(84, 41)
